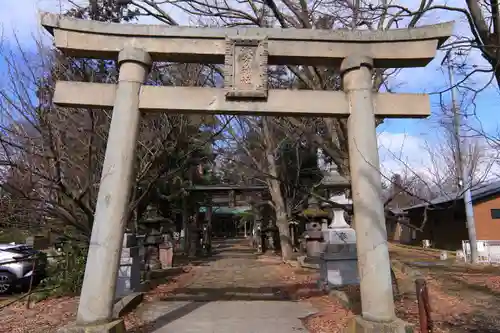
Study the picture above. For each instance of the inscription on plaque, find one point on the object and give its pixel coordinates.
(245, 69)
(246, 57)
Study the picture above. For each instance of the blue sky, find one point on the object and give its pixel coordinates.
(21, 17)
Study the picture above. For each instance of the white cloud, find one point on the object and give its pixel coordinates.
(425, 158)
(413, 155)
(402, 153)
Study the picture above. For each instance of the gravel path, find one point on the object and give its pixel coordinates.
(232, 292)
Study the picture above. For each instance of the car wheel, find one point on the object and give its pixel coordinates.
(6, 282)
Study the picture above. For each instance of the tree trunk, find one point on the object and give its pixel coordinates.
(281, 217)
(277, 196)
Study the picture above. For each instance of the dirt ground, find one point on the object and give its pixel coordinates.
(463, 299)
(50, 314)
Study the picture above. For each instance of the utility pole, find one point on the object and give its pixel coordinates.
(355, 14)
(463, 172)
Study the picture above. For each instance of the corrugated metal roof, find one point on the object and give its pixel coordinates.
(477, 192)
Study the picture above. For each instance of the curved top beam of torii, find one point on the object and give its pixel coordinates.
(388, 48)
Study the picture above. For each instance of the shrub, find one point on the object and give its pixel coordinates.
(65, 275)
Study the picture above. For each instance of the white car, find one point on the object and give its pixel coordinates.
(16, 266)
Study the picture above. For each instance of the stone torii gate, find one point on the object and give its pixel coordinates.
(245, 53)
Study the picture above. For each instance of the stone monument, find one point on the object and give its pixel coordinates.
(313, 235)
(129, 272)
(166, 250)
(338, 264)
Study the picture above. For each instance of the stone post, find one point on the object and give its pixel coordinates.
(369, 219)
(129, 272)
(209, 228)
(184, 241)
(99, 285)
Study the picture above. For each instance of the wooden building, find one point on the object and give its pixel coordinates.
(444, 219)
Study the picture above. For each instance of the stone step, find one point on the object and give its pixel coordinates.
(211, 297)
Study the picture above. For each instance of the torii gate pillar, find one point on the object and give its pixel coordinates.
(114, 190)
(377, 299)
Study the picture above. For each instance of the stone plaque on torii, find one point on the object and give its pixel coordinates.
(246, 53)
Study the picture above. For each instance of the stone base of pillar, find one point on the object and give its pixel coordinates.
(360, 325)
(116, 326)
